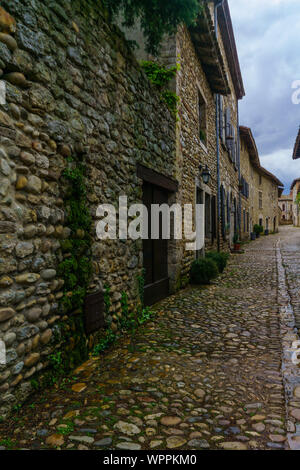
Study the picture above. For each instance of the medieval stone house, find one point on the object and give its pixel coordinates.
(77, 97)
(209, 85)
(73, 90)
(295, 188)
(295, 191)
(260, 189)
(285, 203)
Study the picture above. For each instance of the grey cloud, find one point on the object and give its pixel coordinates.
(268, 35)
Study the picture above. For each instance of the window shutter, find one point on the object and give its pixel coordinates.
(228, 122)
(233, 146)
(221, 117)
(223, 212)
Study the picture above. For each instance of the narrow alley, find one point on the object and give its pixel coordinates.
(204, 374)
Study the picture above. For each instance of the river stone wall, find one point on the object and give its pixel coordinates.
(73, 85)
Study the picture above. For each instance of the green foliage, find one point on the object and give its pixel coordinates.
(258, 229)
(160, 77)
(141, 285)
(108, 339)
(171, 100)
(130, 319)
(219, 258)
(203, 270)
(203, 136)
(107, 300)
(157, 17)
(76, 268)
(297, 201)
(236, 238)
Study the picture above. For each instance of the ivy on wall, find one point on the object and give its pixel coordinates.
(75, 269)
(160, 77)
(157, 17)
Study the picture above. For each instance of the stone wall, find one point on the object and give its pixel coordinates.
(269, 210)
(73, 86)
(246, 203)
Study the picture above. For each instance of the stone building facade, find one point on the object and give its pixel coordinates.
(73, 87)
(295, 190)
(286, 209)
(76, 97)
(260, 189)
(209, 85)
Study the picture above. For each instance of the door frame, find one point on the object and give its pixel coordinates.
(158, 289)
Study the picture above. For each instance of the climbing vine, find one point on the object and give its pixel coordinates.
(160, 77)
(75, 269)
(130, 319)
(157, 17)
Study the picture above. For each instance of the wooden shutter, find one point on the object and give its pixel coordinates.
(228, 122)
(221, 119)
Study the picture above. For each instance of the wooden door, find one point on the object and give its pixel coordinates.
(155, 252)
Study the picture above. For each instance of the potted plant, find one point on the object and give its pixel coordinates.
(236, 242)
(258, 229)
(267, 231)
(253, 236)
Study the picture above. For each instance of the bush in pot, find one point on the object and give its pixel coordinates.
(220, 258)
(258, 229)
(236, 242)
(203, 270)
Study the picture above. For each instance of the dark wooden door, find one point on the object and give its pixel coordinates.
(155, 252)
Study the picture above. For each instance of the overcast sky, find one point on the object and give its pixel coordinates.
(267, 34)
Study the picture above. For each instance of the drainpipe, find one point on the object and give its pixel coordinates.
(239, 170)
(217, 136)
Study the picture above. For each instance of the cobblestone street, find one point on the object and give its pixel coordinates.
(204, 374)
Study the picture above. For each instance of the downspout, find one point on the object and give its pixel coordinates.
(239, 170)
(217, 137)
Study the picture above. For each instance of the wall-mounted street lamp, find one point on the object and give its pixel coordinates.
(205, 174)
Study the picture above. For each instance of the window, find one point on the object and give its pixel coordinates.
(260, 180)
(260, 200)
(283, 207)
(245, 188)
(202, 118)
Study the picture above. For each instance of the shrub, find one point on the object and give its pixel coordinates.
(258, 229)
(203, 271)
(219, 258)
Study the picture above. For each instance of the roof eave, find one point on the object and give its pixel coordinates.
(296, 152)
(208, 50)
(227, 32)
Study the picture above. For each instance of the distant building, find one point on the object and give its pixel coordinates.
(260, 189)
(296, 153)
(295, 190)
(286, 208)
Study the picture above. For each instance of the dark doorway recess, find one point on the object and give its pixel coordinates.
(155, 252)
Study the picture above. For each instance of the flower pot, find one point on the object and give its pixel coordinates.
(266, 232)
(253, 236)
(257, 235)
(237, 247)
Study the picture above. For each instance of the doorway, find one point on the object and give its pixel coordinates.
(155, 252)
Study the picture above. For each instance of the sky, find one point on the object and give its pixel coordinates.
(267, 34)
